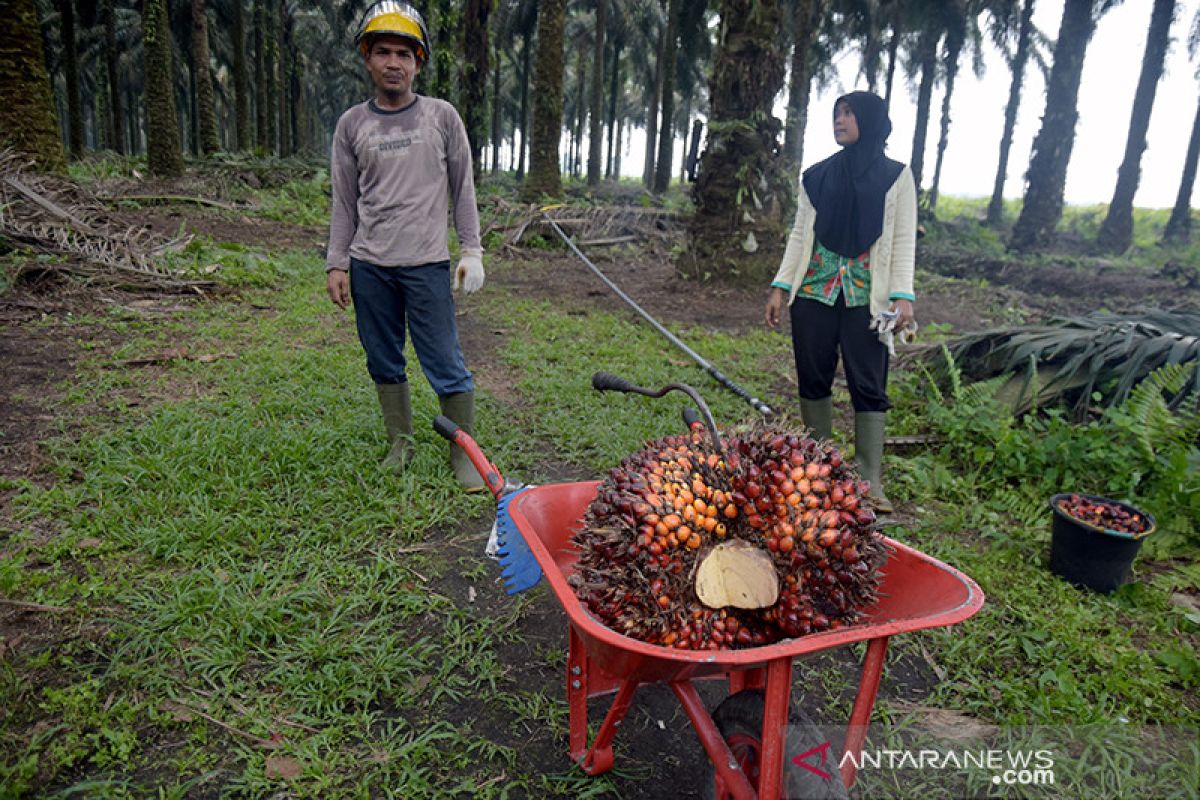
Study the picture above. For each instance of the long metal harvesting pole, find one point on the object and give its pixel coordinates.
(719, 376)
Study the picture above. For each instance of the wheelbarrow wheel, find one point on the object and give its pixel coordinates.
(740, 720)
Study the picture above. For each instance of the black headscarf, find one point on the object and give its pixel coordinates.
(848, 188)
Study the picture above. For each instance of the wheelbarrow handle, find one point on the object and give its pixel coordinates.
(448, 429)
(608, 382)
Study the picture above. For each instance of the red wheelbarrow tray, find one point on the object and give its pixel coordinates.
(916, 592)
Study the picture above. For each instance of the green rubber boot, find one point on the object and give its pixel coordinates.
(818, 415)
(461, 408)
(396, 404)
(868, 453)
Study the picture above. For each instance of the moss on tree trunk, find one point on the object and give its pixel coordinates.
(27, 119)
(162, 123)
(205, 104)
(743, 192)
(544, 178)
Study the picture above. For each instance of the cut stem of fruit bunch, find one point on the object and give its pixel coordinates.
(663, 515)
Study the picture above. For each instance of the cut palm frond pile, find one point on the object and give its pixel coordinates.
(52, 215)
(597, 226)
(1068, 359)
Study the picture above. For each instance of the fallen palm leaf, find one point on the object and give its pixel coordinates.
(1073, 357)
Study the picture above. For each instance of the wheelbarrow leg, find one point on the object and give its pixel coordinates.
(726, 766)
(864, 703)
(577, 694)
(775, 720)
(598, 758)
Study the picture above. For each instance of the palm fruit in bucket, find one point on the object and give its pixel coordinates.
(690, 547)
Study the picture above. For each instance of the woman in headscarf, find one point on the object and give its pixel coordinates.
(849, 258)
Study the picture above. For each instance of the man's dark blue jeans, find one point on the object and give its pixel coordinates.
(388, 298)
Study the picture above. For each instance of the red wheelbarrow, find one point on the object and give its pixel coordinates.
(916, 592)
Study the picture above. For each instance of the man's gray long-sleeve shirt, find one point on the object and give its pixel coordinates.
(393, 174)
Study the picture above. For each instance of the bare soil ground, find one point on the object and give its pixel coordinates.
(41, 340)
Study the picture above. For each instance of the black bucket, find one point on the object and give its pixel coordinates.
(1092, 557)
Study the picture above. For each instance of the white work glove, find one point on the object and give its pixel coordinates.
(468, 275)
(884, 324)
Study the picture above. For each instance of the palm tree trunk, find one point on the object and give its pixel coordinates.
(742, 191)
(284, 58)
(27, 115)
(611, 170)
(666, 132)
(271, 76)
(189, 119)
(544, 177)
(1179, 226)
(206, 111)
(872, 48)
(893, 56)
(804, 18)
(687, 135)
(261, 130)
(617, 152)
(162, 122)
(525, 123)
(116, 107)
(652, 114)
(995, 212)
(954, 44)
(299, 106)
(596, 129)
(928, 55)
(474, 77)
(497, 122)
(241, 77)
(1116, 232)
(1042, 208)
(70, 64)
(580, 112)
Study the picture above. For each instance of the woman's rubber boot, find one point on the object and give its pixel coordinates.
(868, 452)
(461, 408)
(818, 416)
(396, 404)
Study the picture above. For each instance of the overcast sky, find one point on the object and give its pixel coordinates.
(1110, 75)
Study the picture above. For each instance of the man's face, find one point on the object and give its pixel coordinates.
(845, 125)
(393, 64)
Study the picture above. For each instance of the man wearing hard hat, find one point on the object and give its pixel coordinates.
(397, 161)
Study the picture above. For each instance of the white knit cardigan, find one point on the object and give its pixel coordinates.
(892, 255)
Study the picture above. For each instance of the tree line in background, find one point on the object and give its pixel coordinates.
(553, 86)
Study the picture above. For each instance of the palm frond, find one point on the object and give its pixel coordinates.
(1077, 356)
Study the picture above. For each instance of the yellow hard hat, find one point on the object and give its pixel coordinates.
(392, 18)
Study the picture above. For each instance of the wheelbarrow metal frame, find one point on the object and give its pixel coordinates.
(917, 592)
(601, 661)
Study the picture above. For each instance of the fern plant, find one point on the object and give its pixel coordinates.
(1167, 422)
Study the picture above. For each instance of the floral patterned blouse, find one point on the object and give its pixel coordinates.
(829, 273)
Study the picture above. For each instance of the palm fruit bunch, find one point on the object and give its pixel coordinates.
(694, 547)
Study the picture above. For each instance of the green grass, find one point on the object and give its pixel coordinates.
(242, 584)
(239, 552)
(959, 223)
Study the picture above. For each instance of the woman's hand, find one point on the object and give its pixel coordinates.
(905, 307)
(775, 301)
